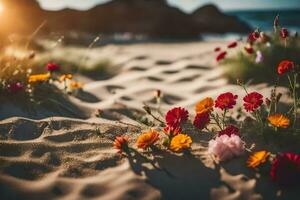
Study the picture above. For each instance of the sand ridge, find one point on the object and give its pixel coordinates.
(63, 158)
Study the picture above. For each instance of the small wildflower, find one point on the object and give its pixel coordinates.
(176, 116)
(147, 139)
(221, 56)
(180, 142)
(65, 77)
(38, 78)
(257, 159)
(285, 66)
(51, 67)
(201, 120)
(226, 101)
(252, 101)
(284, 33)
(205, 105)
(121, 144)
(232, 45)
(279, 120)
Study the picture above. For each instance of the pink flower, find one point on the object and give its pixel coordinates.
(259, 57)
(51, 67)
(225, 147)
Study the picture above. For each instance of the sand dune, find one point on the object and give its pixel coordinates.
(63, 158)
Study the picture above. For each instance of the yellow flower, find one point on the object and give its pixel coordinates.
(279, 120)
(180, 142)
(205, 105)
(147, 139)
(257, 159)
(64, 77)
(38, 78)
(76, 85)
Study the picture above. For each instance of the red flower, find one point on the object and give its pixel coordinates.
(284, 33)
(221, 56)
(253, 36)
(249, 50)
(217, 49)
(285, 169)
(201, 120)
(252, 101)
(230, 130)
(51, 67)
(15, 87)
(285, 66)
(226, 101)
(121, 144)
(232, 45)
(176, 117)
(171, 131)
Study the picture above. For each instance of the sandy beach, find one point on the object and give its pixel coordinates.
(66, 158)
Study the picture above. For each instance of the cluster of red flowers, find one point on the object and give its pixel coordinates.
(285, 169)
(223, 54)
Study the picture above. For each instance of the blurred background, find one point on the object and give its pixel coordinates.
(142, 20)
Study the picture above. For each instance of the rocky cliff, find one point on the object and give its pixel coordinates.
(154, 18)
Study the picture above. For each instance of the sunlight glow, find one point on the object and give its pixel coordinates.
(1, 8)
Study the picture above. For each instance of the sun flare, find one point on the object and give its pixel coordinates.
(1, 8)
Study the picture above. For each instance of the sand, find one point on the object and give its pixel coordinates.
(68, 158)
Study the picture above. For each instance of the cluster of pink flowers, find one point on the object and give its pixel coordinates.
(225, 147)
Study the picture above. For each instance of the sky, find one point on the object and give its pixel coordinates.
(186, 5)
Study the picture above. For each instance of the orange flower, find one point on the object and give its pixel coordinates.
(64, 77)
(74, 85)
(180, 142)
(279, 120)
(257, 158)
(147, 139)
(205, 105)
(121, 143)
(38, 78)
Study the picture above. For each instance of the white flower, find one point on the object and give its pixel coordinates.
(226, 147)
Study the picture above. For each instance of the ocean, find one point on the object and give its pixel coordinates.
(264, 19)
(261, 19)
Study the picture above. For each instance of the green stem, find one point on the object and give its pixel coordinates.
(294, 95)
(223, 117)
(217, 121)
